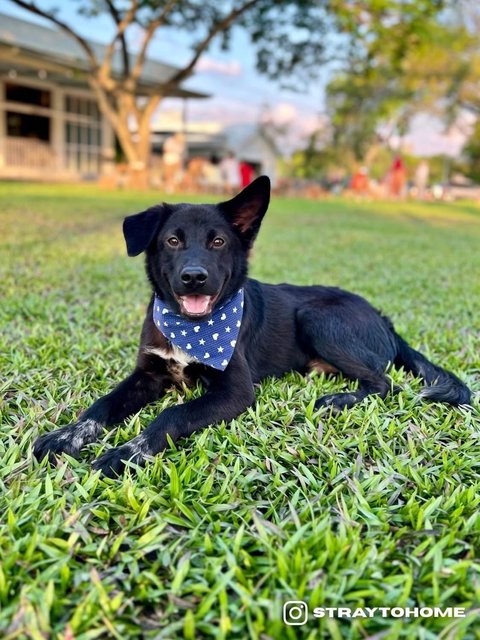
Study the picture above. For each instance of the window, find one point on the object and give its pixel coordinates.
(83, 135)
(22, 125)
(27, 95)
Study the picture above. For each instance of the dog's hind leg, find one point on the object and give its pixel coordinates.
(369, 381)
(442, 385)
(136, 391)
(331, 335)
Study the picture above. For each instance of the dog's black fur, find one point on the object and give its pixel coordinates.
(284, 328)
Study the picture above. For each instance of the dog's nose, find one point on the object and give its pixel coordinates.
(194, 276)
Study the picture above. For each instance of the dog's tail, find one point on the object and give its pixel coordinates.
(442, 385)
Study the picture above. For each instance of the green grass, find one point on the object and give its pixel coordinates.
(376, 507)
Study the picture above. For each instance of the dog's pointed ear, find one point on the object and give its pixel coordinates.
(140, 229)
(246, 210)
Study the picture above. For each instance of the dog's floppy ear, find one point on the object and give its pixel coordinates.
(140, 229)
(246, 210)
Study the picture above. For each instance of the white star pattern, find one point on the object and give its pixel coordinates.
(211, 341)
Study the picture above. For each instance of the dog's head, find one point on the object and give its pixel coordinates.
(196, 255)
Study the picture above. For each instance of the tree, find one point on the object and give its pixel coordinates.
(279, 29)
(471, 154)
(426, 61)
(398, 67)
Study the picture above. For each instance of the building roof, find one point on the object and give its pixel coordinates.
(249, 141)
(26, 44)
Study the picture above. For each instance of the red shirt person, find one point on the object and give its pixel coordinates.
(398, 178)
(246, 174)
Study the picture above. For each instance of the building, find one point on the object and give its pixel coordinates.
(252, 143)
(249, 142)
(203, 139)
(50, 124)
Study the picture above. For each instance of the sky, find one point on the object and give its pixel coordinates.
(239, 93)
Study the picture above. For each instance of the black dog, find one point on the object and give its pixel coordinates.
(206, 320)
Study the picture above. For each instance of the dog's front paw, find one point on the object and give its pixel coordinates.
(112, 462)
(55, 443)
(69, 439)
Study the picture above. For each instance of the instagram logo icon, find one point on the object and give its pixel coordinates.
(295, 612)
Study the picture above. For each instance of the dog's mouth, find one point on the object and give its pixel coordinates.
(196, 305)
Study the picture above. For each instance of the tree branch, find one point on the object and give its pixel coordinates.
(217, 28)
(470, 106)
(33, 8)
(149, 33)
(122, 25)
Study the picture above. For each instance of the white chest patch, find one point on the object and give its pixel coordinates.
(181, 358)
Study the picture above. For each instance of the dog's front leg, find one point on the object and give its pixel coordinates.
(229, 394)
(139, 389)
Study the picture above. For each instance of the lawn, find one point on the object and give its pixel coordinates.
(376, 507)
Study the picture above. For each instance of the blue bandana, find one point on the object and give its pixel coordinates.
(211, 342)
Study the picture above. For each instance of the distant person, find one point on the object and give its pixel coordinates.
(173, 159)
(422, 173)
(398, 178)
(247, 173)
(359, 183)
(212, 180)
(230, 169)
(194, 173)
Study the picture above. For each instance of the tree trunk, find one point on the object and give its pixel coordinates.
(137, 151)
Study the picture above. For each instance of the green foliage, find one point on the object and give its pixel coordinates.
(405, 58)
(377, 506)
(376, 87)
(471, 154)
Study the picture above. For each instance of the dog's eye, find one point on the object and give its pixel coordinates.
(218, 242)
(173, 241)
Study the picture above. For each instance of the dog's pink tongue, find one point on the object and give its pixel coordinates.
(196, 304)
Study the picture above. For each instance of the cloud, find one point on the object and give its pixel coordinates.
(232, 68)
(223, 110)
(429, 137)
(283, 113)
